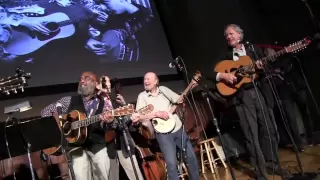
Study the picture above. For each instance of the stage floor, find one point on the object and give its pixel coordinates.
(310, 160)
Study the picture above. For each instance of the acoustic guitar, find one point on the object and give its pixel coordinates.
(244, 67)
(25, 41)
(164, 126)
(74, 125)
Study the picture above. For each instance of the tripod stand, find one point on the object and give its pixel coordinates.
(125, 131)
(66, 151)
(302, 175)
(183, 154)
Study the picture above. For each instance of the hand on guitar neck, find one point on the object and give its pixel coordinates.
(107, 117)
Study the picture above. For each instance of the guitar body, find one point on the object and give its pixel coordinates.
(164, 126)
(52, 151)
(25, 41)
(230, 66)
(109, 135)
(77, 136)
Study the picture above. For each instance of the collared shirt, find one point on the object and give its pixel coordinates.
(65, 103)
(236, 53)
(160, 102)
(239, 52)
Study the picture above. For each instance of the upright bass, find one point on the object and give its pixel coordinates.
(153, 164)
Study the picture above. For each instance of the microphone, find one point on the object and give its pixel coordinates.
(59, 110)
(247, 43)
(175, 63)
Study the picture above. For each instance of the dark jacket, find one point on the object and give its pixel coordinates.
(95, 133)
(262, 85)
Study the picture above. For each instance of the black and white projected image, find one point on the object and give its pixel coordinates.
(96, 34)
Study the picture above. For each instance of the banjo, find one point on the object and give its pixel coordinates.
(164, 126)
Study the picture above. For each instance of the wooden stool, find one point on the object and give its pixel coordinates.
(184, 172)
(206, 147)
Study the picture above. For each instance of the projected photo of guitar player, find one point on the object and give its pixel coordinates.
(106, 29)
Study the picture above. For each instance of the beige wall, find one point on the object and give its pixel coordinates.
(129, 92)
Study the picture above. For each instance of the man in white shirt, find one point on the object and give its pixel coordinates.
(162, 98)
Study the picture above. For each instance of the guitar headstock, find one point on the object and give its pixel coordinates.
(196, 78)
(31, 10)
(14, 83)
(124, 110)
(145, 110)
(298, 46)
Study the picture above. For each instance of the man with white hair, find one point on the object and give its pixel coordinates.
(254, 108)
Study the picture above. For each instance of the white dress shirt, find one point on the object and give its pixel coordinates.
(236, 53)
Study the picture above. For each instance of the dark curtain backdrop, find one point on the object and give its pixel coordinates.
(195, 29)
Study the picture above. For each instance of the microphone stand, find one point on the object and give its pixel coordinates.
(264, 114)
(215, 122)
(125, 131)
(296, 176)
(183, 153)
(64, 146)
(24, 140)
(182, 68)
(301, 175)
(315, 22)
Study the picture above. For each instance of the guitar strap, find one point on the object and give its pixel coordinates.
(93, 107)
(160, 91)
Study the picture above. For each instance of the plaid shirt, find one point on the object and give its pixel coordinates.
(65, 103)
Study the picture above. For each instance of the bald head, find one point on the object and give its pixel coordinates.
(151, 81)
(87, 84)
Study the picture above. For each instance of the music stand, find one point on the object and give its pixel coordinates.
(40, 133)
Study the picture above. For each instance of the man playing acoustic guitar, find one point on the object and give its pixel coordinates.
(92, 158)
(163, 98)
(256, 119)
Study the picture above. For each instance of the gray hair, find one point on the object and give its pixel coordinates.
(237, 28)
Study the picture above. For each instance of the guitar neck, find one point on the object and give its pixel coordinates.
(185, 92)
(273, 57)
(86, 122)
(68, 22)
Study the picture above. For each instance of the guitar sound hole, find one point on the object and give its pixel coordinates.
(154, 122)
(54, 30)
(66, 127)
(237, 74)
(233, 69)
(52, 26)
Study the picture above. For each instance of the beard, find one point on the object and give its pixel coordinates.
(87, 90)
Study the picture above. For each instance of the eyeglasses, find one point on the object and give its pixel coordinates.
(86, 78)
